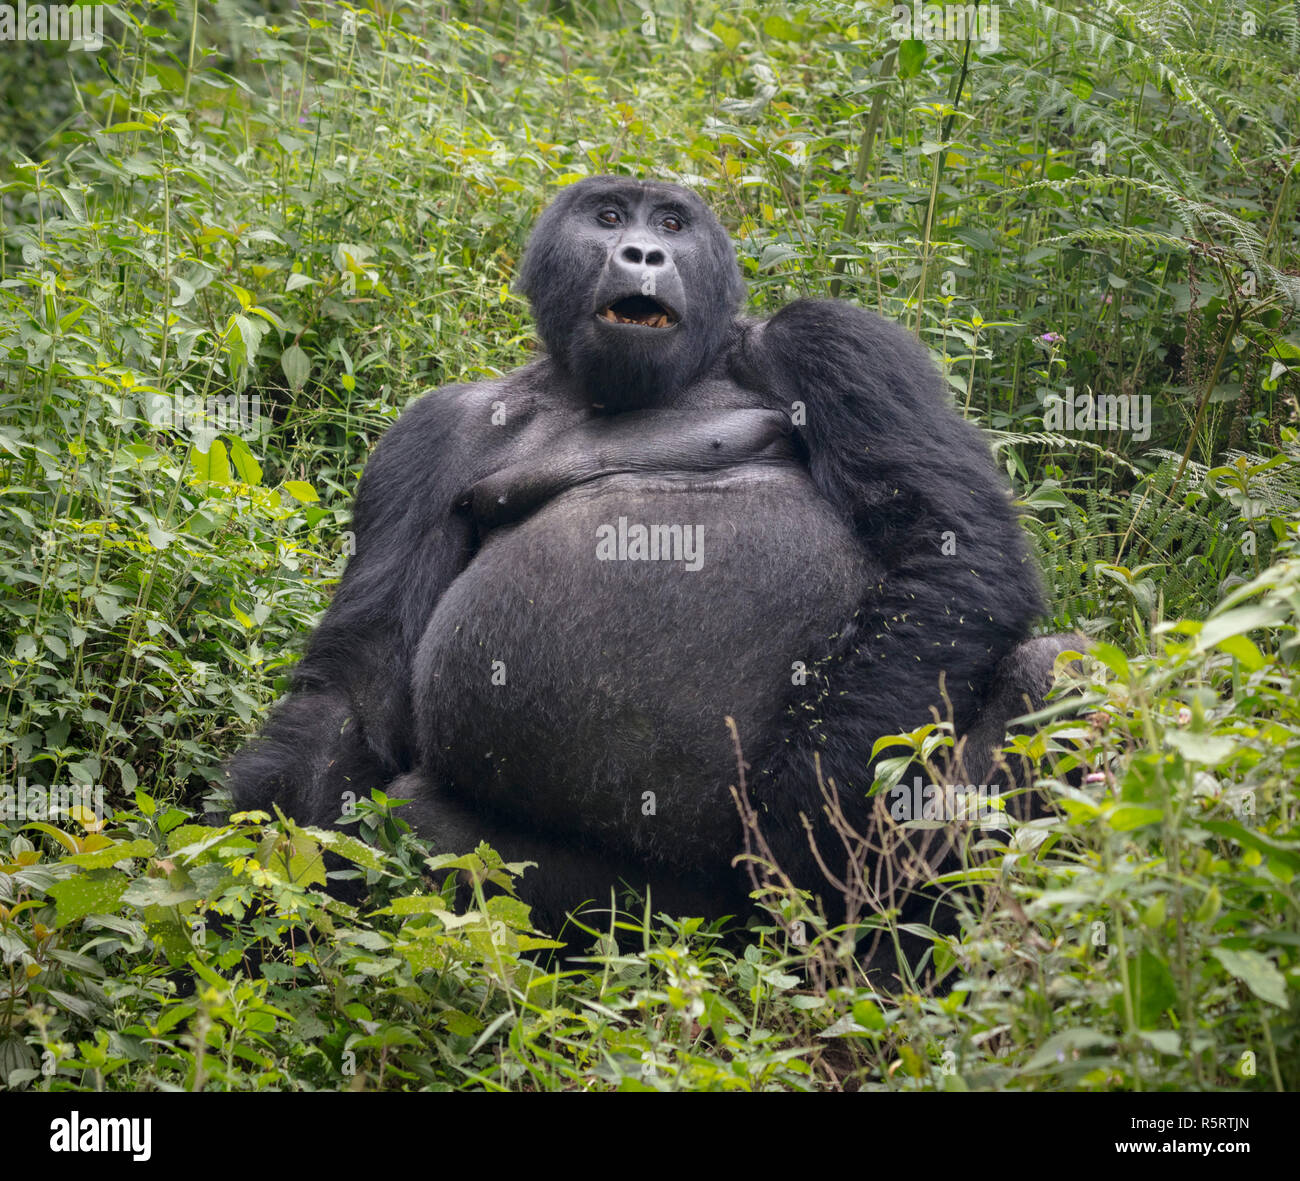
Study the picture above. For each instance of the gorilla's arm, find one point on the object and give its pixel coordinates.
(917, 483)
(346, 724)
(637, 441)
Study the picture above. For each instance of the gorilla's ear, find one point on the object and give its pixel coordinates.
(545, 253)
(724, 261)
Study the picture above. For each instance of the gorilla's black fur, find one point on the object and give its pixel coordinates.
(481, 657)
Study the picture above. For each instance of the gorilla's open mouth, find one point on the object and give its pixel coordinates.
(641, 310)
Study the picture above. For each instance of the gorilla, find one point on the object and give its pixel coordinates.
(571, 581)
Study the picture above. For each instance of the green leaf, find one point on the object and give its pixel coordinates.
(1256, 972)
(246, 466)
(1243, 650)
(1164, 1041)
(297, 367)
(417, 904)
(867, 1014)
(212, 467)
(1127, 817)
(300, 490)
(103, 858)
(1059, 1049)
(911, 57)
(729, 36)
(350, 847)
(96, 892)
(780, 29)
(1236, 622)
(1208, 749)
(1154, 984)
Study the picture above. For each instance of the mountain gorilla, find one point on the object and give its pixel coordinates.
(568, 578)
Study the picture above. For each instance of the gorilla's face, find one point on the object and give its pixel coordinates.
(633, 285)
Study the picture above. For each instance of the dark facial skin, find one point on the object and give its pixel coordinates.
(644, 251)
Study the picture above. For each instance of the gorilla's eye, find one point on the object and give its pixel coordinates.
(609, 217)
(672, 223)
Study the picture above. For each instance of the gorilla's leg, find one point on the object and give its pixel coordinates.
(1020, 686)
(310, 759)
(568, 874)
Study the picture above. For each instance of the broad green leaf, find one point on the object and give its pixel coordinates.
(246, 466)
(213, 467)
(729, 36)
(911, 57)
(296, 365)
(96, 892)
(1127, 817)
(353, 849)
(1207, 749)
(1236, 622)
(1256, 972)
(1154, 985)
(103, 858)
(419, 904)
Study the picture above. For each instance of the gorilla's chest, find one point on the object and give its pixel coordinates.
(592, 652)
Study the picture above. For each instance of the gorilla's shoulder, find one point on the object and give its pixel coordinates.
(838, 323)
(464, 403)
(836, 348)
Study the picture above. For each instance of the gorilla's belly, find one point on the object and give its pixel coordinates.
(575, 682)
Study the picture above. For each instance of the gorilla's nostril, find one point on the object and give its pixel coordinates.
(631, 254)
(655, 258)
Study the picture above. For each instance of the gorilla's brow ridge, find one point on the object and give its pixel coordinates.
(624, 196)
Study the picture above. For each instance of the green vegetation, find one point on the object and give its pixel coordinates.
(293, 219)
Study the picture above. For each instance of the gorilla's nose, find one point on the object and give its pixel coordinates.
(637, 258)
(641, 255)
